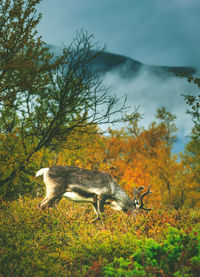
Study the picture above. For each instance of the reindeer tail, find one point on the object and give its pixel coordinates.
(41, 171)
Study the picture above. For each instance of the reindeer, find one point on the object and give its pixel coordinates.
(88, 186)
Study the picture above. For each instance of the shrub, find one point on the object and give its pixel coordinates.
(63, 241)
(177, 255)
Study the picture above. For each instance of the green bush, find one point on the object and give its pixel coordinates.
(177, 255)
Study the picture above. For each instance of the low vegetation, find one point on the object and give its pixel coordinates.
(63, 241)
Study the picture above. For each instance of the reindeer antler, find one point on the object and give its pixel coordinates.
(137, 190)
(141, 199)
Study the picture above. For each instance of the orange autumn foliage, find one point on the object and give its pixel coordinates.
(135, 160)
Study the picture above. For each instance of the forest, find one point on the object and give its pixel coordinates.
(52, 109)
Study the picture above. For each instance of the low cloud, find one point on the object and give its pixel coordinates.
(150, 91)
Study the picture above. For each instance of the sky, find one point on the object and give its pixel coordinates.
(154, 32)
(158, 32)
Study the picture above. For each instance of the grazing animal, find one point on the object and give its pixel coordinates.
(87, 186)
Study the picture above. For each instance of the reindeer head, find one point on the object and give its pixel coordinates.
(139, 203)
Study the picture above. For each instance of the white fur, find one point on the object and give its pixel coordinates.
(73, 196)
(49, 183)
(115, 206)
(41, 172)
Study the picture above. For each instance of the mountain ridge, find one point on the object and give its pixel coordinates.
(127, 67)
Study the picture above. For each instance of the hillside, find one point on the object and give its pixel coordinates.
(128, 67)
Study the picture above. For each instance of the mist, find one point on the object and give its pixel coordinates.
(149, 88)
(150, 91)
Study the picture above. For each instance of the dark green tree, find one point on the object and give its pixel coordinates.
(167, 121)
(192, 149)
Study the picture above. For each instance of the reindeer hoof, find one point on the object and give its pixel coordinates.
(96, 219)
(41, 207)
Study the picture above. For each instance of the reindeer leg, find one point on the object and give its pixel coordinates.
(40, 204)
(96, 211)
(52, 195)
(49, 200)
(57, 201)
(99, 207)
